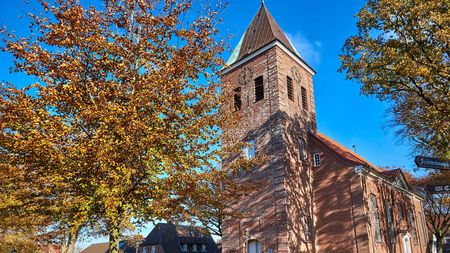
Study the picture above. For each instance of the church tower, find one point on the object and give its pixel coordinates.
(271, 90)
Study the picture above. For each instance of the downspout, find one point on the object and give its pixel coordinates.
(352, 213)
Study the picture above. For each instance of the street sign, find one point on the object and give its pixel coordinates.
(432, 163)
(438, 189)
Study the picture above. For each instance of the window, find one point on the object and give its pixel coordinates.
(153, 250)
(259, 89)
(412, 224)
(184, 247)
(194, 247)
(316, 159)
(253, 246)
(302, 149)
(203, 248)
(423, 229)
(376, 218)
(304, 99)
(290, 88)
(237, 99)
(144, 249)
(250, 149)
(389, 220)
(401, 211)
(308, 229)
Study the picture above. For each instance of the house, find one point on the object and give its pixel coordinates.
(104, 248)
(172, 238)
(315, 194)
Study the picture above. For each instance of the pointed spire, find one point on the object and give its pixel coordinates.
(262, 30)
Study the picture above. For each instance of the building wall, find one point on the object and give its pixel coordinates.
(386, 191)
(265, 220)
(340, 220)
(297, 123)
(275, 212)
(344, 212)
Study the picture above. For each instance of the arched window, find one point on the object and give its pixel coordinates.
(376, 218)
(254, 247)
(302, 149)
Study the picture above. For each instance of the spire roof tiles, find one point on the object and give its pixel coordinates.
(262, 30)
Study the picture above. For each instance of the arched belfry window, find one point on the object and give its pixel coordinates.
(254, 247)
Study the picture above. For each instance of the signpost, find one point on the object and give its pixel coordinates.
(437, 189)
(432, 163)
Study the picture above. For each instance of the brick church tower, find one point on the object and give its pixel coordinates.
(272, 91)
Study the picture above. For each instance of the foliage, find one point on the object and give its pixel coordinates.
(121, 124)
(401, 54)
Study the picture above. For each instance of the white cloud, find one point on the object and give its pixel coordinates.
(308, 50)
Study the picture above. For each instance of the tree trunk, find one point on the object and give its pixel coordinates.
(439, 246)
(71, 236)
(114, 239)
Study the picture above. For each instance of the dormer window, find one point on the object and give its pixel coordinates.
(194, 248)
(203, 248)
(184, 247)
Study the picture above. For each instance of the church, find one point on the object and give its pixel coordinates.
(316, 195)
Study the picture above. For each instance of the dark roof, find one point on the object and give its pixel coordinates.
(169, 236)
(262, 30)
(392, 174)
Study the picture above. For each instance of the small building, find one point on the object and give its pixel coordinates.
(104, 248)
(171, 238)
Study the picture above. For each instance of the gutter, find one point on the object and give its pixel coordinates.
(364, 170)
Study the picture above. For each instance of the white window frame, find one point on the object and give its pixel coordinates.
(316, 160)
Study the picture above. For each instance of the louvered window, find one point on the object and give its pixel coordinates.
(259, 88)
(237, 99)
(304, 99)
(290, 88)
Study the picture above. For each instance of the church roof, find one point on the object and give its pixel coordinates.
(262, 30)
(345, 152)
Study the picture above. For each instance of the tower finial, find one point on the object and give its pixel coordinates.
(262, 2)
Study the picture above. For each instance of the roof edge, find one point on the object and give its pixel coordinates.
(263, 49)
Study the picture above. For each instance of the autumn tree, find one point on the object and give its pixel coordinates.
(217, 196)
(121, 123)
(401, 55)
(436, 206)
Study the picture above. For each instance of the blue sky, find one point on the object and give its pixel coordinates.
(318, 30)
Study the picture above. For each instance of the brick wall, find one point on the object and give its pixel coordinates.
(275, 213)
(344, 212)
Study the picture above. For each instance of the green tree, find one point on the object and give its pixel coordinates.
(121, 124)
(401, 54)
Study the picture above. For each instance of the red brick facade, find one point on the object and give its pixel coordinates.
(302, 208)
